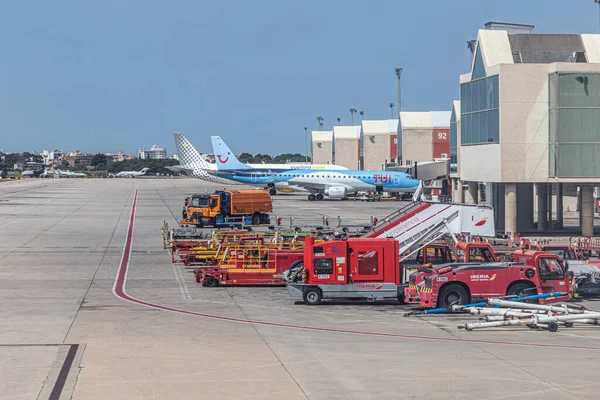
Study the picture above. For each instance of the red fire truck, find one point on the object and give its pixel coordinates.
(534, 272)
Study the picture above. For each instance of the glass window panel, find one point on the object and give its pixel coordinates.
(483, 127)
(474, 87)
(482, 103)
(576, 125)
(478, 67)
(551, 125)
(576, 160)
(463, 98)
(475, 131)
(489, 93)
(576, 90)
(463, 129)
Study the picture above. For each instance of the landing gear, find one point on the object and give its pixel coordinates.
(320, 196)
(272, 192)
(311, 197)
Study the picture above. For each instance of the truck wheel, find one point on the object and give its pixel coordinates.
(320, 196)
(312, 296)
(552, 326)
(211, 282)
(256, 219)
(453, 295)
(518, 289)
(311, 197)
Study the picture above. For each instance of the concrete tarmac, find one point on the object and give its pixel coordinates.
(64, 334)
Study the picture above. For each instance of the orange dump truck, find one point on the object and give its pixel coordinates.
(227, 208)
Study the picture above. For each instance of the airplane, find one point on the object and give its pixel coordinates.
(340, 184)
(68, 174)
(34, 173)
(127, 174)
(332, 182)
(193, 164)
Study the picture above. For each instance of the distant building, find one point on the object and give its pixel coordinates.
(154, 153)
(322, 147)
(424, 136)
(346, 141)
(379, 143)
(120, 156)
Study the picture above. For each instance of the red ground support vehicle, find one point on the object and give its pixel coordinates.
(251, 261)
(349, 269)
(462, 253)
(535, 272)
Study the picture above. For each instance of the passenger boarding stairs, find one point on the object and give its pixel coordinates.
(419, 222)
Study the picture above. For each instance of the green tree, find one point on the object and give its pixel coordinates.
(246, 158)
(99, 159)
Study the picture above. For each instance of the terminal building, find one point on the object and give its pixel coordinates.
(425, 136)
(527, 127)
(346, 146)
(322, 147)
(379, 143)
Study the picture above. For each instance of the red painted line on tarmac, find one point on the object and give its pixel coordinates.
(119, 289)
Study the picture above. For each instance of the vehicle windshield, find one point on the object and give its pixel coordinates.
(563, 252)
(550, 267)
(200, 202)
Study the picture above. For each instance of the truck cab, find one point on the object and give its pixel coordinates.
(535, 272)
(201, 208)
(462, 253)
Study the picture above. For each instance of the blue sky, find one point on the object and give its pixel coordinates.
(105, 76)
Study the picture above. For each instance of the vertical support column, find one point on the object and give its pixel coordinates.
(587, 211)
(460, 191)
(472, 195)
(559, 206)
(510, 208)
(550, 224)
(542, 201)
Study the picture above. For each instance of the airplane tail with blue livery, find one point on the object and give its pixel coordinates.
(224, 157)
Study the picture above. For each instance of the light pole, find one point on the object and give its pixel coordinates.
(362, 115)
(398, 74)
(320, 121)
(339, 120)
(392, 110)
(352, 111)
(306, 143)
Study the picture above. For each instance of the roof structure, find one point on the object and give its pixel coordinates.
(371, 127)
(425, 119)
(346, 132)
(322, 136)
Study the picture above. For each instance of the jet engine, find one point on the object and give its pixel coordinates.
(336, 192)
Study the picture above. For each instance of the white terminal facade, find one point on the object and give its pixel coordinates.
(528, 126)
(154, 153)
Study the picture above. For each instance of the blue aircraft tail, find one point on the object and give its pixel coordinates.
(224, 157)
